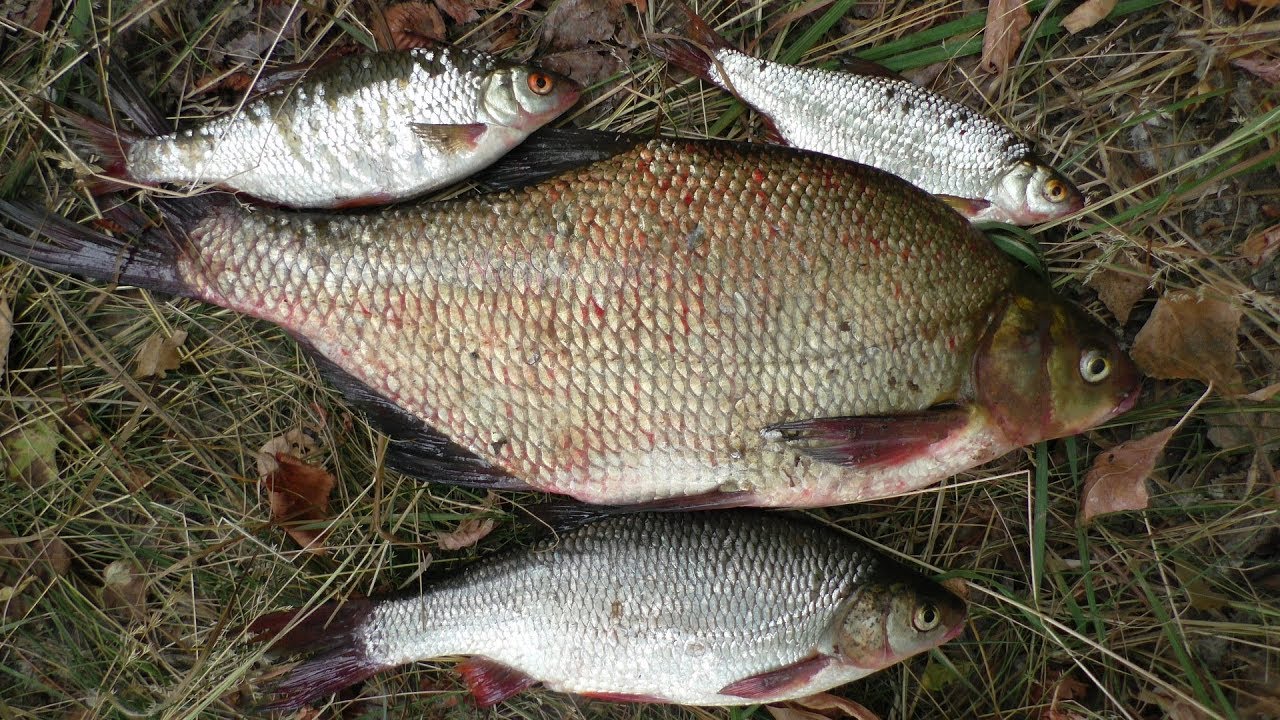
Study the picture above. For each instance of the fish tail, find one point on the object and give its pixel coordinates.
(145, 255)
(692, 53)
(128, 97)
(330, 634)
(110, 145)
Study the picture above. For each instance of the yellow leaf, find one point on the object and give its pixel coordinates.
(1088, 14)
(158, 355)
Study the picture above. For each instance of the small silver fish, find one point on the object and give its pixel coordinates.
(878, 118)
(361, 130)
(710, 608)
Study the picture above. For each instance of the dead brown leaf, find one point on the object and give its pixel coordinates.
(1189, 337)
(1242, 429)
(124, 591)
(468, 533)
(299, 495)
(462, 11)
(1264, 394)
(822, 706)
(6, 333)
(1120, 289)
(1118, 479)
(297, 442)
(408, 25)
(1175, 708)
(1265, 67)
(1087, 14)
(158, 355)
(30, 14)
(572, 24)
(1006, 19)
(1264, 244)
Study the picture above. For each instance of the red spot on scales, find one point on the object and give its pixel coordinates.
(951, 343)
(758, 175)
(687, 199)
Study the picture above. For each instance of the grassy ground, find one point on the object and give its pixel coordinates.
(134, 540)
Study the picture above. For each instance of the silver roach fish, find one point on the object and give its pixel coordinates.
(358, 130)
(710, 608)
(876, 117)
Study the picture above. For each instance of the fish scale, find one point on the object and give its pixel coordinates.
(577, 328)
(674, 608)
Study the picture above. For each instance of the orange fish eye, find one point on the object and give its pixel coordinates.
(541, 83)
(1055, 190)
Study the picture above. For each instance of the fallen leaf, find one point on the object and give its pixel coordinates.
(571, 24)
(299, 495)
(408, 25)
(1242, 429)
(1118, 479)
(1262, 3)
(468, 533)
(6, 333)
(158, 355)
(1262, 245)
(30, 14)
(1175, 708)
(822, 706)
(1088, 14)
(55, 554)
(1264, 394)
(297, 442)
(1188, 337)
(1120, 289)
(462, 11)
(124, 590)
(1063, 688)
(1006, 19)
(30, 452)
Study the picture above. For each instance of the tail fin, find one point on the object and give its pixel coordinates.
(150, 261)
(127, 97)
(110, 145)
(328, 632)
(692, 53)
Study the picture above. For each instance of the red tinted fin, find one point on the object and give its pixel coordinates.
(145, 256)
(871, 440)
(775, 682)
(103, 145)
(624, 697)
(491, 683)
(416, 448)
(690, 53)
(329, 633)
(968, 207)
(127, 96)
(447, 138)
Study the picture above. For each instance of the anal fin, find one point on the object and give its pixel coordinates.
(450, 139)
(416, 448)
(870, 440)
(773, 683)
(490, 683)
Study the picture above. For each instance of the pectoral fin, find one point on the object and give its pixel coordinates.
(968, 207)
(491, 683)
(873, 439)
(450, 138)
(786, 679)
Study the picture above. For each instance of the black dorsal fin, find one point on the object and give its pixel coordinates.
(551, 151)
(416, 448)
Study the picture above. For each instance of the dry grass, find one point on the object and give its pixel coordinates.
(1169, 612)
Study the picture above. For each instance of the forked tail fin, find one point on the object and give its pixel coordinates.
(330, 635)
(693, 52)
(105, 146)
(146, 255)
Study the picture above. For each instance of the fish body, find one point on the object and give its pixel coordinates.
(713, 608)
(681, 318)
(878, 118)
(360, 130)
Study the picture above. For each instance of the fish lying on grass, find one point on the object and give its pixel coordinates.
(876, 117)
(361, 130)
(723, 323)
(715, 608)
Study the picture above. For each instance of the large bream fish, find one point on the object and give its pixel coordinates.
(716, 608)
(876, 117)
(748, 324)
(360, 130)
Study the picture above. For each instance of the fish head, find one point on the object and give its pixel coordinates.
(896, 616)
(526, 98)
(1031, 192)
(1046, 370)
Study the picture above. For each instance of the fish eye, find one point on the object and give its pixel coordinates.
(926, 618)
(1094, 366)
(541, 83)
(1055, 190)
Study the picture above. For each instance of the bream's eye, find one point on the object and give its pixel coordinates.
(1094, 366)
(925, 618)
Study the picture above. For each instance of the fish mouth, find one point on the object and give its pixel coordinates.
(953, 633)
(1127, 402)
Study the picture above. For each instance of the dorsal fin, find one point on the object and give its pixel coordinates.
(551, 151)
(858, 66)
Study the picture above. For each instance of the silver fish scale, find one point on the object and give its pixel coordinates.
(938, 145)
(343, 134)
(672, 606)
